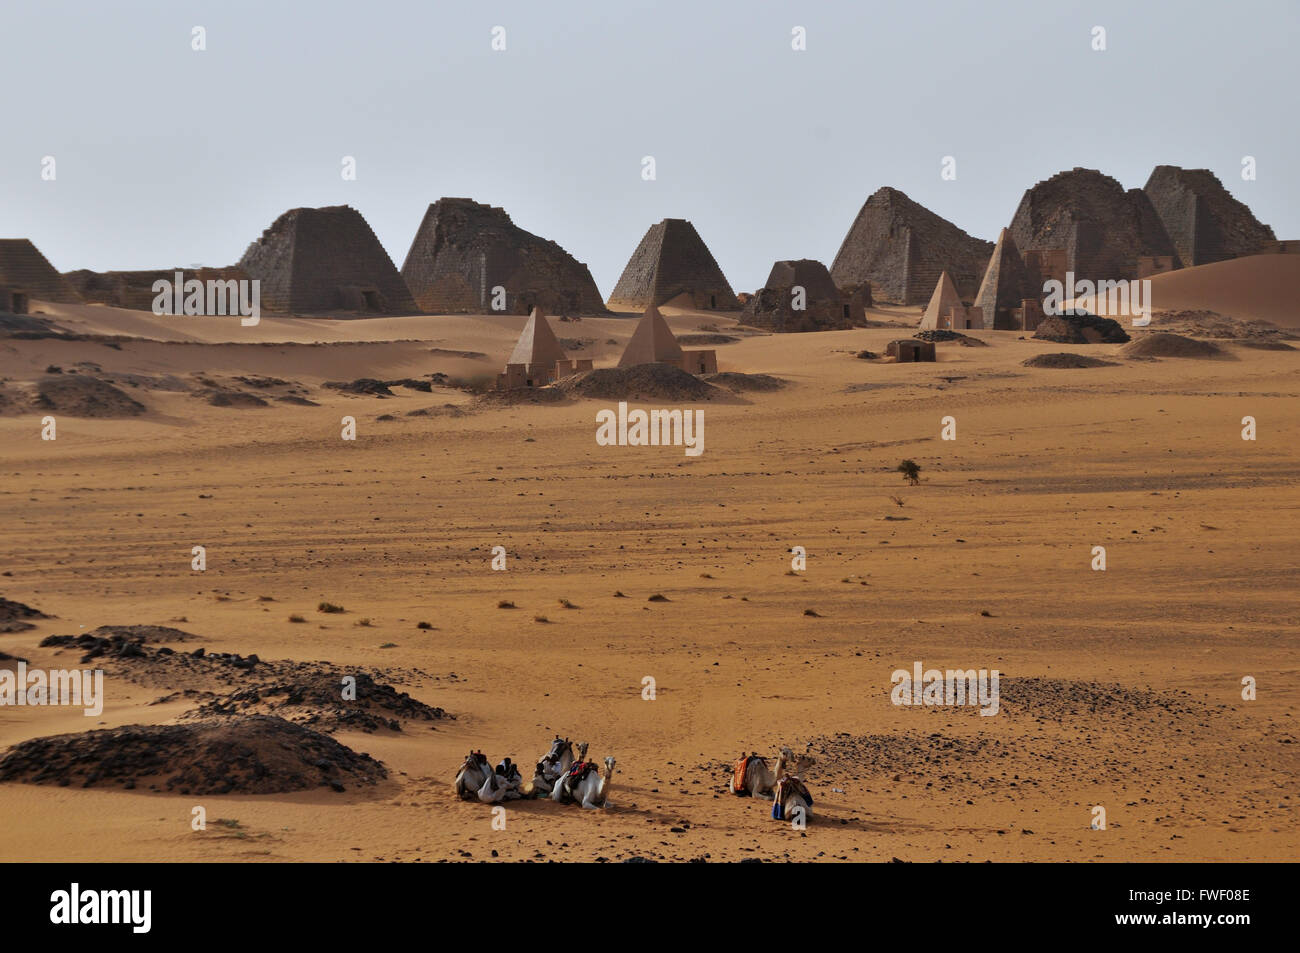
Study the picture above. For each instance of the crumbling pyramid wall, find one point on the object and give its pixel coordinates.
(672, 260)
(1103, 229)
(24, 270)
(463, 249)
(318, 260)
(902, 247)
(772, 306)
(1201, 217)
(134, 289)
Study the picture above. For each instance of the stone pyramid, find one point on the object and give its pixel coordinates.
(945, 297)
(464, 249)
(672, 260)
(537, 343)
(1006, 284)
(24, 270)
(1203, 220)
(652, 342)
(316, 260)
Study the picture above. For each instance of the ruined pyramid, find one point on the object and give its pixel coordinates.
(26, 273)
(900, 247)
(1006, 284)
(672, 260)
(652, 342)
(1203, 220)
(463, 250)
(944, 298)
(318, 260)
(1103, 229)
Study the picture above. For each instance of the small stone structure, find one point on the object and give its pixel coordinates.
(26, 274)
(946, 310)
(1005, 286)
(321, 260)
(463, 250)
(672, 260)
(538, 359)
(900, 247)
(133, 290)
(652, 342)
(824, 306)
(908, 351)
(1279, 248)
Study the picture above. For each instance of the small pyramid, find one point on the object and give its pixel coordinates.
(25, 270)
(1006, 283)
(945, 297)
(652, 342)
(537, 343)
(672, 260)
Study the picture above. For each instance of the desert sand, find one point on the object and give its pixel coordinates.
(1119, 689)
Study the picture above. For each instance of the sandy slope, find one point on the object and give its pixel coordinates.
(1261, 286)
(1144, 458)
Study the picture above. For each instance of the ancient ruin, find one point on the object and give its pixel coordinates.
(672, 260)
(652, 342)
(908, 351)
(946, 309)
(1103, 229)
(1203, 220)
(321, 260)
(800, 296)
(1005, 286)
(538, 358)
(134, 290)
(26, 275)
(471, 258)
(901, 247)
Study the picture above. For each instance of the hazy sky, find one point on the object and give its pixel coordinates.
(166, 156)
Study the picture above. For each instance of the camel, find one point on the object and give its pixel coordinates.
(503, 784)
(582, 782)
(790, 798)
(555, 764)
(473, 773)
(759, 779)
(593, 790)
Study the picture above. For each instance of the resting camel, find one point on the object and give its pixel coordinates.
(554, 764)
(791, 799)
(473, 773)
(759, 779)
(593, 790)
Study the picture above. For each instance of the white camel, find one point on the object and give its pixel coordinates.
(554, 764)
(593, 790)
(473, 773)
(790, 799)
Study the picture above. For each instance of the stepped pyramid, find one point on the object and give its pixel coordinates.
(671, 260)
(901, 247)
(316, 260)
(25, 272)
(1104, 230)
(463, 249)
(944, 299)
(1203, 220)
(1006, 284)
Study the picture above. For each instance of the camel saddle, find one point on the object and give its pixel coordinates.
(742, 768)
(578, 772)
(789, 786)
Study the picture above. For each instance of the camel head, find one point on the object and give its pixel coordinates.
(582, 751)
(609, 767)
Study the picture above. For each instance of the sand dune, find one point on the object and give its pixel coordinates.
(1263, 287)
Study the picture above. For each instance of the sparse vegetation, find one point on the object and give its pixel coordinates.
(812, 612)
(658, 597)
(364, 623)
(540, 618)
(329, 607)
(911, 471)
(296, 618)
(567, 604)
(424, 625)
(505, 604)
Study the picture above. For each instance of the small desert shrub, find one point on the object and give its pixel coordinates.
(812, 612)
(911, 471)
(658, 597)
(389, 645)
(296, 618)
(364, 623)
(567, 604)
(505, 604)
(329, 607)
(424, 625)
(540, 618)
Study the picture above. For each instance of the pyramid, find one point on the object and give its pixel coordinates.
(900, 247)
(672, 260)
(315, 260)
(1203, 220)
(463, 249)
(652, 342)
(825, 307)
(945, 297)
(1006, 284)
(1103, 229)
(25, 271)
(537, 343)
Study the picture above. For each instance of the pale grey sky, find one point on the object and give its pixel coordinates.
(166, 156)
